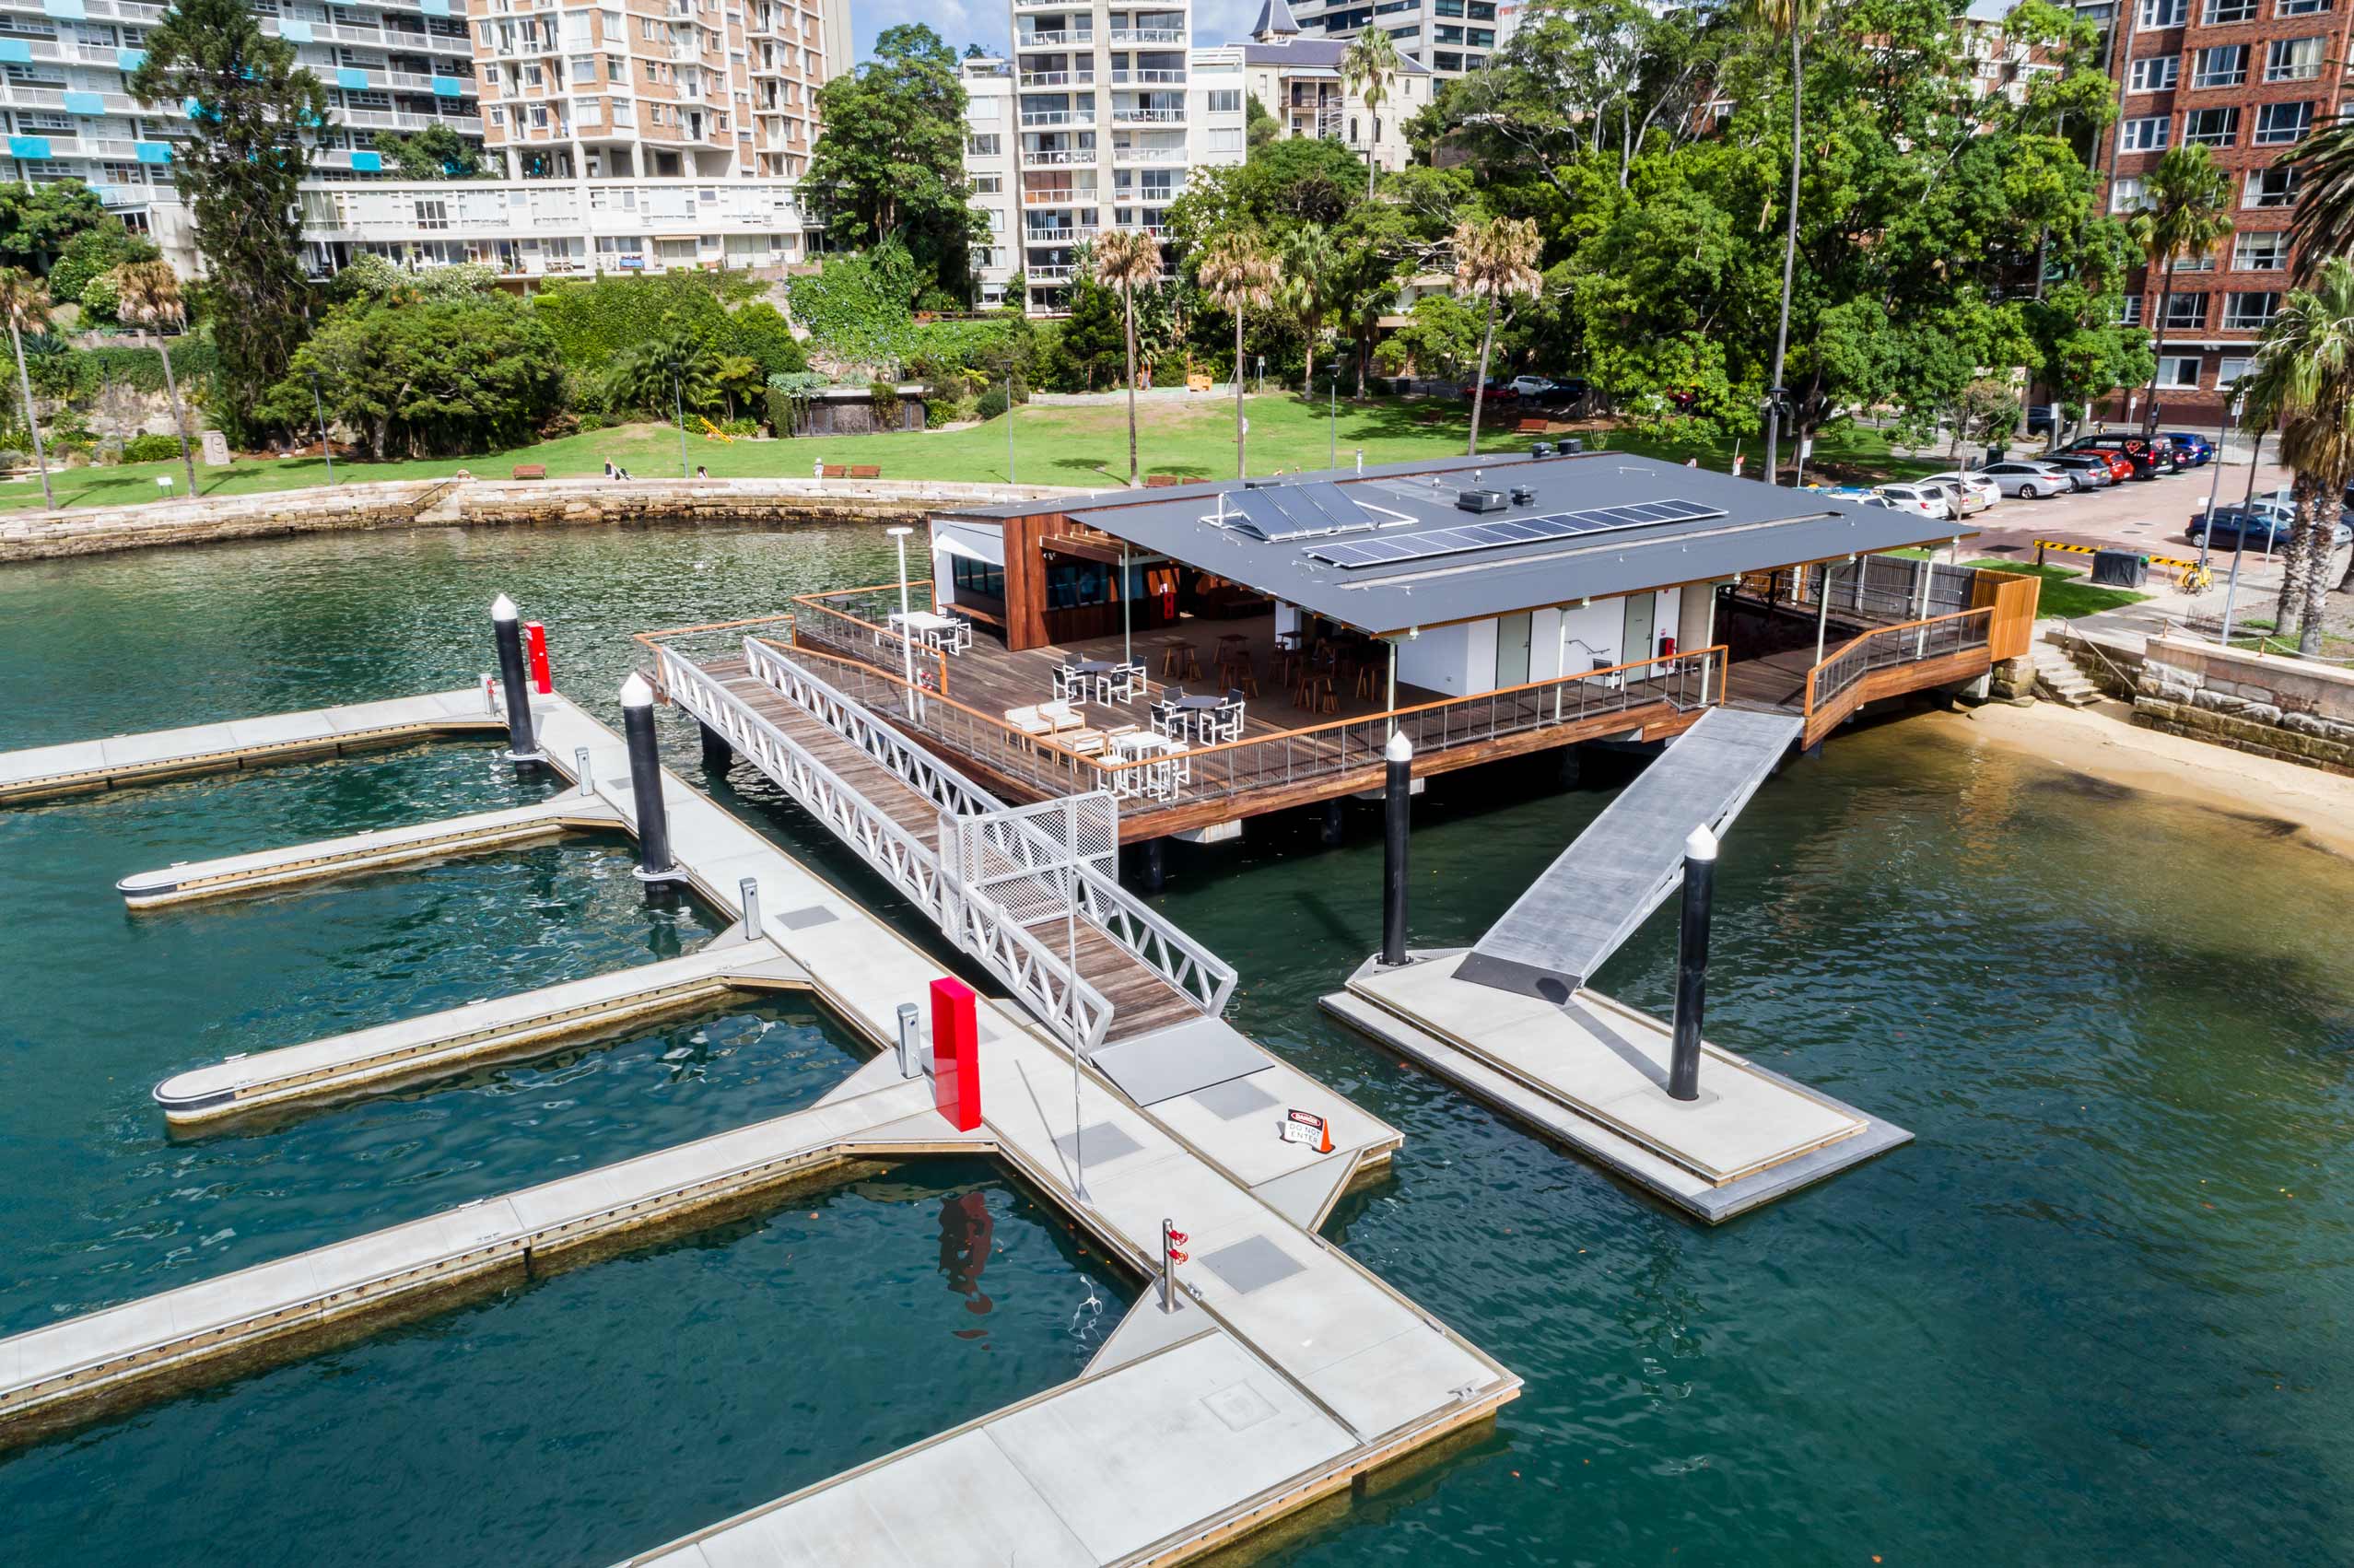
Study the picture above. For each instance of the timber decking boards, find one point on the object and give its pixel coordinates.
(1593, 897)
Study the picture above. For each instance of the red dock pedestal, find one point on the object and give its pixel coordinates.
(535, 651)
(955, 1053)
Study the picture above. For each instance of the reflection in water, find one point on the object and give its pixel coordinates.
(965, 1230)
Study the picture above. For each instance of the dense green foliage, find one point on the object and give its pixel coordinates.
(420, 376)
(435, 153)
(258, 119)
(38, 221)
(95, 250)
(608, 330)
(855, 310)
(890, 162)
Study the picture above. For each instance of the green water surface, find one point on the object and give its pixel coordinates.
(2094, 1312)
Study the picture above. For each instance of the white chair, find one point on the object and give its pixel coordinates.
(1063, 716)
(1068, 683)
(1029, 721)
(1124, 683)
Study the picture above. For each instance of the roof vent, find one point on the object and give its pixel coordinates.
(1572, 446)
(1522, 495)
(1480, 500)
(1541, 449)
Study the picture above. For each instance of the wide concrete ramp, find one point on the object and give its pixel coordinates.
(1629, 858)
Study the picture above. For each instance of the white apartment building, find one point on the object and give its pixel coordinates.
(1298, 80)
(1450, 37)
(636, 135)
(1096, 123)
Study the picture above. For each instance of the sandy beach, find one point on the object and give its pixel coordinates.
(2102, 742)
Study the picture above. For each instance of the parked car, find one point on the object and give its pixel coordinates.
(2029, 478)
(1978, 492)
(1566, 390)
(2139, 461)
(1529, 386)
(2087, 470)
(2171, 459)
(2195, 447)
(2263, 526)
(1497, 392)
(1940, 501)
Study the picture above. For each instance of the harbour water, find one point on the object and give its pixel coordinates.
(2096, 1309)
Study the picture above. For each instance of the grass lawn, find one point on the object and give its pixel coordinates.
(1060, 445)
(2064, 594)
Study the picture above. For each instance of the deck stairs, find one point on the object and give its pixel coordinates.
(2058, 679)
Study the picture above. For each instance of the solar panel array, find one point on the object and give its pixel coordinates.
(1397, 548)
(1279, 513)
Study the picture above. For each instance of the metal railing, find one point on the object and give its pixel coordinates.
(1873, 587)
(1885, 647)
(1044, 983)
(852, 636)
(1189, 968)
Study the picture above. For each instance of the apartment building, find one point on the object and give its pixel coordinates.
(1096, 123)
(1298, 80)
(1450, 37)
(2247, 79)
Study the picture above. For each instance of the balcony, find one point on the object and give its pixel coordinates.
(1060, 196)
(1148, 155)
(1148, 116)
(1059, 158)
(1047, 274)
(1054, 117)
(1147, 35)
(1147, 78)
(1058, 78)
(1054, 39)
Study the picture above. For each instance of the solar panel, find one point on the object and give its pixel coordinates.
(1433, 542)
(1279, 513)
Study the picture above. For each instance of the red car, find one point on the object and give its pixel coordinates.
(2120, 466)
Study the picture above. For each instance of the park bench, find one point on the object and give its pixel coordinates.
(835, 470)
(1169, 481)
(531, 471)
(1535, 427)
(865, 471)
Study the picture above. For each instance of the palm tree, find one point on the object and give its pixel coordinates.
(149, 297)
(1125, 258)
(24, 300)
(1367, 67)
(1793, 21)
(2186, 204)
(1311, 268)
(1236, 272)
(2323, 223)
(1495, 258)
(2305, 378)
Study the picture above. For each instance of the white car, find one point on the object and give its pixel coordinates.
(2029, 478)
(1531, 386)
(1925, 500)
(1978, 492)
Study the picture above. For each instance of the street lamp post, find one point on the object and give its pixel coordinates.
(326, 450)
(2240, 543)
(1773, 398)
(1332, 412)
(2214, 487)
(907, 637)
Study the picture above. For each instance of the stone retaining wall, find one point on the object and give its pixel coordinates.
(33, 535)
(2272, 706)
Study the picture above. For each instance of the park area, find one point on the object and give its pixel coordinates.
(1080, 445)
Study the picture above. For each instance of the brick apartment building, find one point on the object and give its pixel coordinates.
(2247, 79)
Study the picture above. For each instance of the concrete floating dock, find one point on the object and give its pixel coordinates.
(503, 1029)
(573, 811)
(83, 766)
(1593, 1073)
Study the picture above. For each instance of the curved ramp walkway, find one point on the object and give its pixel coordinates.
(1629, 858)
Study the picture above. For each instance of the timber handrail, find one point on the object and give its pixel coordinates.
(1843, 669)
(876, 631)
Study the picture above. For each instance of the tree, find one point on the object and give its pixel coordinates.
(1236, 272)
(25, 302)
(259, 119)
(2186, 211)
(2324, 170)
(147, 295)
(666, 373)
(1258, 126)
(94, 253)
(1367, 67)
(1493, 260)
(891, 156)
(1791, 20)
(435, 153)
(1125, 259)
(2303, 381)
(37, 222)
(1311, 269)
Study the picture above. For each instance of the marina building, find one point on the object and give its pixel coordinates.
(1095, 123)
(2248, 80)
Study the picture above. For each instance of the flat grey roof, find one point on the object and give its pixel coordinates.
(1748, 526)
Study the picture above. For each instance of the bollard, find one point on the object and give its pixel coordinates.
(646, 781)
(749, 891)
(583, 778)
(522, 745)
(1397, 822)
(1691, 964)
(535, 653)
(910, 1040)
(1172, 1239)
(955, 1053)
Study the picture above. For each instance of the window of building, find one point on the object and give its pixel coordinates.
(1447, 33)
(2179, 371)
(2270, 188)
(1072, 584)
(2301, 8)
(1225, 100)
(1480, 38)
(2249, 312)
(2219, 13)
(2229, 368)
(2262, 251)
(2185, 310)
(2125, 193)
(982, 579)
(988, 184)
(1225, 140)
(2129, 310)
(1414, 31)
(432, 212)
(2157, 73)
(1446, 60)
(2223, 66)
(981, 146)
(2294, 59)
(2211, 127)
(2161, 13)
(2280, 124)
(2147, 134)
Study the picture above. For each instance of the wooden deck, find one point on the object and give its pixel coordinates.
(1142, 1001)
